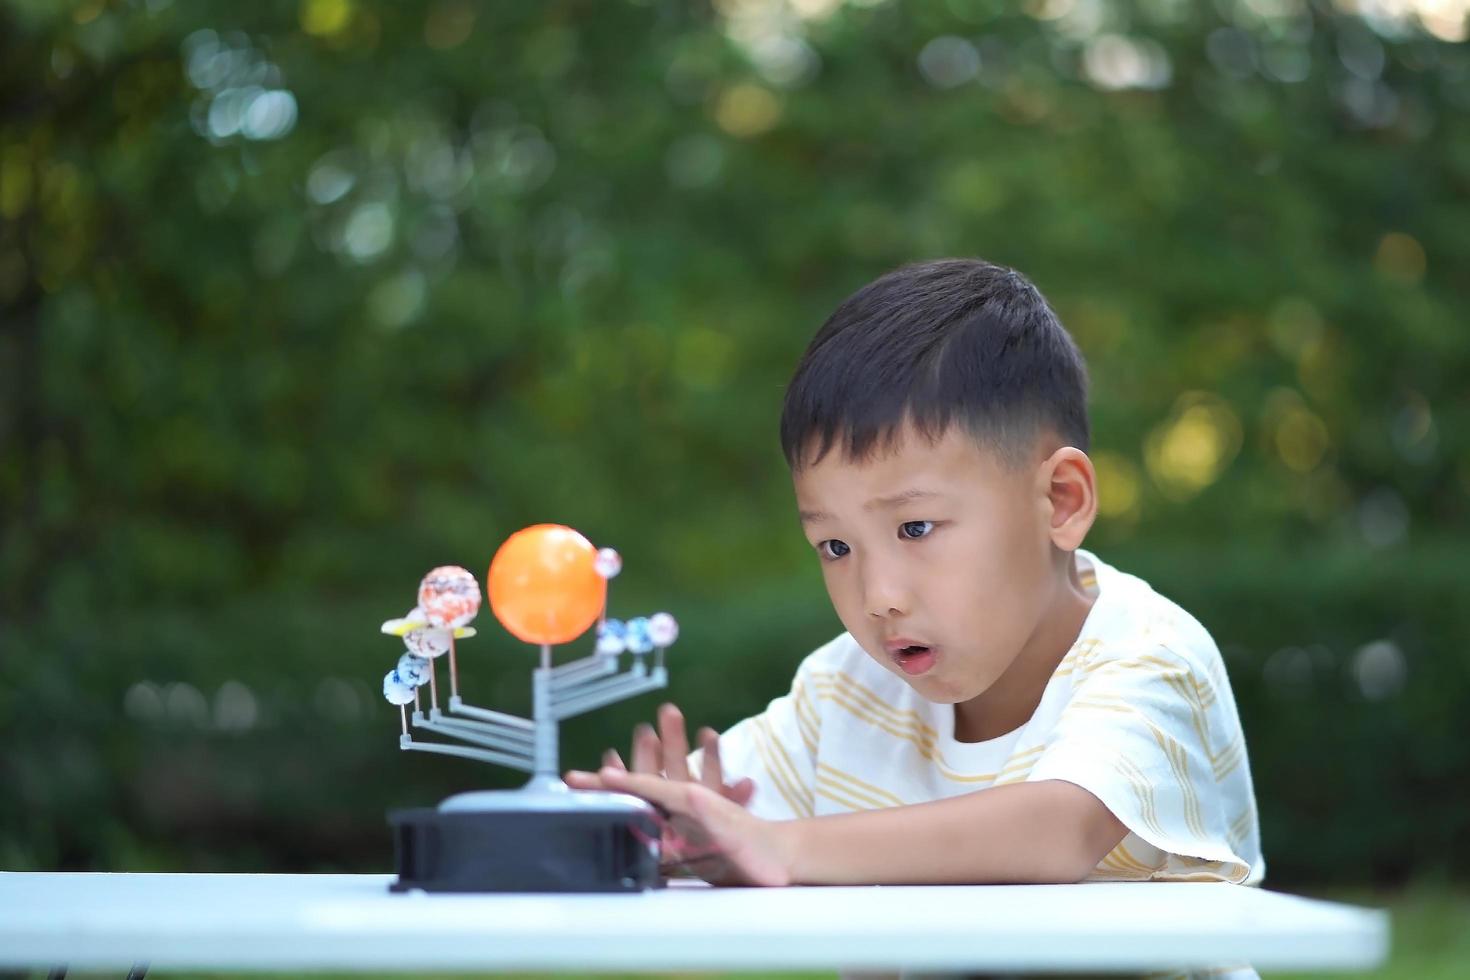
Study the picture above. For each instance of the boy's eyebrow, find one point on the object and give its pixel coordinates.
(893, 500)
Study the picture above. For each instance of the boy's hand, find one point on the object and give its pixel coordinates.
(708, 834)
(707, 830)
(665, 753)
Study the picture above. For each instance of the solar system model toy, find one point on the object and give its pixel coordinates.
(547, 585)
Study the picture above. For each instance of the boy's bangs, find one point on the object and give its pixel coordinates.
(930, 346)
(872, 429)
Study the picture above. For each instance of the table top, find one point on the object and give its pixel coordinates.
(352, 922)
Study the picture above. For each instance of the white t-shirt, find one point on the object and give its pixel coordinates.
(1139, 713)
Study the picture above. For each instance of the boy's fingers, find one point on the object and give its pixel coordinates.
(711, 773)
(647, 753)
(742, 791)
(577, 779)
(671, 795)
(675, 742)
(611, 758)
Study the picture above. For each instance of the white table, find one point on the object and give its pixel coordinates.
(352, 922)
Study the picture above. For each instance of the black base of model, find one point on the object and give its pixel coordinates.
(533, 850)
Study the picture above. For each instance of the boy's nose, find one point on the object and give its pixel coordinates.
(884, 596)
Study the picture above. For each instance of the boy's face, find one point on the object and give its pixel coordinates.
(937, 545)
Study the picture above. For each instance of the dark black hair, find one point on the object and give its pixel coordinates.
(937, 343)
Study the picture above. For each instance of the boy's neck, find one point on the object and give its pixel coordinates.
(1011, 701)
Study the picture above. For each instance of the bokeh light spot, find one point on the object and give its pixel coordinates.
(398, 300)
(1383, 518)
(235, 709)
(948, 62)
(1380, 669)
(328, 181)
(1119, 488)
(695, 161)
(1190, 450)
(1414, 432)
(325, 18)
(1296, 434)
(368, 232)
(1400, 258)
(747, 110)
(1113, 61)
(270, 115)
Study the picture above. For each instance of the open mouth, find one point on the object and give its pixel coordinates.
(915, 659)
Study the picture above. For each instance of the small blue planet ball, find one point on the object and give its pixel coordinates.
(638, 640)
(396, 689)
(611, 636)
(414, 670)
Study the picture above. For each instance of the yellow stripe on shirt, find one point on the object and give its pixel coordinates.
(901, 717)
(1141, 788)
(791, 793)
(785, 760)
(828, 786)
(807, 722)
(889, 799)
(841, 698)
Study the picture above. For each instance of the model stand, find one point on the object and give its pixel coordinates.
(547, 585)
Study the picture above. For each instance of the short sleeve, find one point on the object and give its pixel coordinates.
(777, 749)
(1148, 735)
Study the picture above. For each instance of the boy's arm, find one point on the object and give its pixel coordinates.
(1048, 831)
(1042, 832)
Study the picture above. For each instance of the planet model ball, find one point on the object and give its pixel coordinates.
(544, 584)
(449, 596)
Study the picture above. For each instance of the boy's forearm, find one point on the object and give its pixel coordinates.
(1042, 832)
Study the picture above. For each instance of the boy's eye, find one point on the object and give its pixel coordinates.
(916, 529)
(832, 549)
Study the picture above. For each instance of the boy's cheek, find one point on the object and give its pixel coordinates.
(835, 592)
(847, 608)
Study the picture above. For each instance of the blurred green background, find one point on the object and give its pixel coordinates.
(298, 300)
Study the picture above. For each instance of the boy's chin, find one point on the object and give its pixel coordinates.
(939, 688)
(938, 694)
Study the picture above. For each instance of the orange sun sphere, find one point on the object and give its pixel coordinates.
(543, 585)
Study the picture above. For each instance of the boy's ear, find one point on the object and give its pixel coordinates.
(1070, 486)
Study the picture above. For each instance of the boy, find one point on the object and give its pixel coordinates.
(1003, 706)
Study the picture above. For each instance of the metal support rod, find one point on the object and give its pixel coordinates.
(481, 755)
(561, 690)
(471, 731)
(433, 689)
(453, 670)
(546, 719)
(624, 687)
(509, 721)
(596, 688)
(595, 665)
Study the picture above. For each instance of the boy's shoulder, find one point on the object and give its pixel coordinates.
(1130, 619)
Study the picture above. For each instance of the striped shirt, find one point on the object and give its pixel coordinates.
(1139, 713)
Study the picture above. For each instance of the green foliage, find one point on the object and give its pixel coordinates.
(297, 301)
